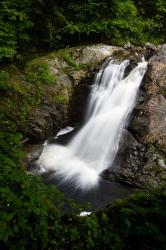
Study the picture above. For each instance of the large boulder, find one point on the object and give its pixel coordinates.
(142, 160)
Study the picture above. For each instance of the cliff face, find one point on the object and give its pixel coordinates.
(142, 159)
(50, 91)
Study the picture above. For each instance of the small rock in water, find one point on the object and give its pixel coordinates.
(64, 131)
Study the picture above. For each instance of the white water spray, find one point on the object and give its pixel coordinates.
(94, 147)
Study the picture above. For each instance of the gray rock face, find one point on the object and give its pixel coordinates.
(46, 121)
(142, 159)
(156, 107)
(150, 46)
(92, 55)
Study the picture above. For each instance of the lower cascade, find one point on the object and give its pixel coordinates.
(93, 149)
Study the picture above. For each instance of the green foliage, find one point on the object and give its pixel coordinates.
(31, 214)
(28, 208)
(17, 100)
(7, 52)
(114, 21)
(141, 220)
(4, 78)
(38, 72)
(25, 204)
(153, 14)
(136, 223)
(68, 58)
(77, 22)
(61, 99)
(14, 24)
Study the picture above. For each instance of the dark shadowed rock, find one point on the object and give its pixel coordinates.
(150, 46)
(141, 160)
(46, 121)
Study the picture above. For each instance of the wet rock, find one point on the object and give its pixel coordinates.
(130, 67)
(129, 160)
(45, 121)
(156, 108)
(141, 160)
(150, 46)
(33, 156)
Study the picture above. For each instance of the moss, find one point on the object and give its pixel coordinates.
(61, 99)
(16, 108)
(155, 148)
(66, 55)
(17, 99)
(4, 79)
(13, 80)
(38, 72)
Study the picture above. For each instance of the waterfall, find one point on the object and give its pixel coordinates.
(93, 149)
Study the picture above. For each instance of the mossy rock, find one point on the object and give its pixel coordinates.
(62, 99)
(37, 72)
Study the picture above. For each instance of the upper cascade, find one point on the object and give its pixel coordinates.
(93, 149)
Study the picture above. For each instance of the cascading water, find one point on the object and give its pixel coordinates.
(94, 147)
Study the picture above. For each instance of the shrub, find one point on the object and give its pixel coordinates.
(38, 73)
(14, 25)
(4, 78)
(61, 99)
(67, 57)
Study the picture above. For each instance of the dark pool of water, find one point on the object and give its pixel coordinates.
(99, 197)
(105, 193)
